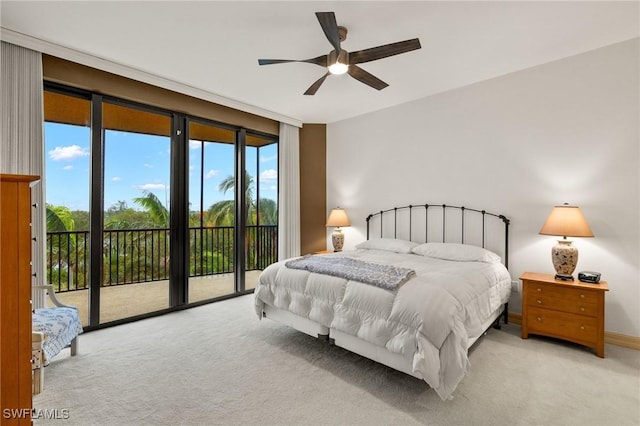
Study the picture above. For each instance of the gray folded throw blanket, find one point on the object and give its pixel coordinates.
(384, 276)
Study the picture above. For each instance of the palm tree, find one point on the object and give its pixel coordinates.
(59, 218)
(222, 213)
(157, 211)
(158, 215)
(268, 212)
(62, 243)
(264, 212)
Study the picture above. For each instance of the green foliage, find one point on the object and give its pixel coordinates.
(221, 213)
(158, 213)
(268, 210)
(139, 249)
(121, 216)
(59, 218)
(65, 247)
(81, 219)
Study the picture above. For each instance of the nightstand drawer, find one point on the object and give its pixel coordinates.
(577, 328)
(577, 301)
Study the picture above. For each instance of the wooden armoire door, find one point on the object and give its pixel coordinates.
(15, 299)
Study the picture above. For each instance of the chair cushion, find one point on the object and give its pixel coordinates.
(59, 325)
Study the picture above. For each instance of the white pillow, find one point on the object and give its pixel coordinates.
(388, 244)
(458, 252)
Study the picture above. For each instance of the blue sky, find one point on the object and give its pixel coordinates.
(134, 163)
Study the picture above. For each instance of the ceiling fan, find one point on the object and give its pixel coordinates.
(339, 61)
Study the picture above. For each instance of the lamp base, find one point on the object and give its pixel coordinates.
(565, 257)
(564, 277)
(337, 238)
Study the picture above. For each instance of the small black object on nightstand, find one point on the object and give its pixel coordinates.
(589, 277)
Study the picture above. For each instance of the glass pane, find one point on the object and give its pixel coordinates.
(262, 200)
(137, 162)
(211, 207)
(67, 140)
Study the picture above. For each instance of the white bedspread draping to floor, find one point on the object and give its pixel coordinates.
(430, 318)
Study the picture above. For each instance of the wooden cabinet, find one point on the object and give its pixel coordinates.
(569, 310)
(15, 299)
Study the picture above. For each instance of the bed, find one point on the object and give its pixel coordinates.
(449, 284)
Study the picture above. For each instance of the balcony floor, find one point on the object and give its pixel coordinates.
(123, 301)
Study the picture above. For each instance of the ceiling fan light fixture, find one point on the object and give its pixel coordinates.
(338, 68)
(338, 62)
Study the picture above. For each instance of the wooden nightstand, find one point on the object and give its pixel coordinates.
(322, 252)
(569, 310)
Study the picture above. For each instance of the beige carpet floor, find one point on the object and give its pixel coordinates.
(219, 365)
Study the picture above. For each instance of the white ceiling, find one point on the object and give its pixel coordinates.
(213, 46)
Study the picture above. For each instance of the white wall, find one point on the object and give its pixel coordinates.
(566, 131)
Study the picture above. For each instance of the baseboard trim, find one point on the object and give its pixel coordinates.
(624, 340)
(515, 318)
(617, 339)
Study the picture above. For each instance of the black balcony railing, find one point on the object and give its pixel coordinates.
(142, 255)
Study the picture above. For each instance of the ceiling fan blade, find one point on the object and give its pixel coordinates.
(366, 78)
(384, 51)
(315, 86)
(320, 60)
(275, 61)
(330, 27)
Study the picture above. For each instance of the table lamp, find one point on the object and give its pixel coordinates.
(338, 218)
(565, 221)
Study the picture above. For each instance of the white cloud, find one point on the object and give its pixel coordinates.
(148, 166)
(116, 179)
(267, 159)
(212, 173)
(268, 175)
(67, 168)
(67, 153)
(153, 187)
(195, 144)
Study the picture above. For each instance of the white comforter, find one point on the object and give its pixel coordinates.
(429, 319)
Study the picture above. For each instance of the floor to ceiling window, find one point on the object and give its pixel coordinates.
(212, 206)
(261, 154)
(67, 134)
(136, 193)
(162, 219)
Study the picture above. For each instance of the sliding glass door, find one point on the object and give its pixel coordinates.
(150, 209)
(67, 134)
(233, 217)
(212, 206)
(136, 251)
(261, 165)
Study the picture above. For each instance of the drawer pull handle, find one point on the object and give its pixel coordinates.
(539, 290)
(581, 308)
(582, 327)
(539, 302)
(539, 319)
(582, 296)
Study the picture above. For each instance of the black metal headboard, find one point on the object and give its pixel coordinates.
(447, 212)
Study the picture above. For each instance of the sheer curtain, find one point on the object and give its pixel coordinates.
(289, 193)
(21, 143)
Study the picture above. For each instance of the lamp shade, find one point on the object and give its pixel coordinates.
(566, 221)
(338, 217)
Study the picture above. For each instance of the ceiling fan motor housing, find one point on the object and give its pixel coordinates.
(342, 57)
(342, 33)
